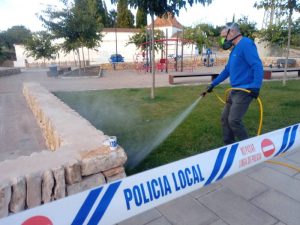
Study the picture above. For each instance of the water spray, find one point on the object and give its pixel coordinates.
(161, 136)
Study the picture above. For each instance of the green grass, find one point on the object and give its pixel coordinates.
(138, 121)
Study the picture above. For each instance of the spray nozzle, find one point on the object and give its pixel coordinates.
(203, 93)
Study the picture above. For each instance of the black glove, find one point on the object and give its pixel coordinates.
(209, 89)
(254, 92)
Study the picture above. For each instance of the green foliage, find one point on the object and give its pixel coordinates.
(247, 28)
(112, 16)
(276, 34)
(159, 7)
(5, 46)
(125, 18)
(101, 13)
(79, 24)
(6, 53)
(13, 35)
(141, 18)
(140, 39)
(18, 34)
(39, 46)
(295, 35)
(284, 9)
(203, 35)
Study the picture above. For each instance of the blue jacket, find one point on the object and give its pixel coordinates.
(244, 67)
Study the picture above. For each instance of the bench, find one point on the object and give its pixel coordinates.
(184, 75)
(268, 72)
(62, 70)
(290, 63)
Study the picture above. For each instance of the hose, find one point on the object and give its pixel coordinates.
(258, 100)
(284, 164)
(260, 123)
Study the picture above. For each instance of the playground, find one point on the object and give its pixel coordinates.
(173, 55)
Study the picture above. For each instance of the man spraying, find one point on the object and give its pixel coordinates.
(245, 71)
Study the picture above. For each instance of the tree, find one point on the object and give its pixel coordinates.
(112, 15)
(160, 8)
(39, 46)
(247, 28)
(295, 35)
(197, 35)
(203, 35)
(7, 51)
(18, 34)
(78, 24)
(141, 18)
(125, 18)
(141, 39)
(276, 33)
(13, 35)
(101, 12)
(285, 8)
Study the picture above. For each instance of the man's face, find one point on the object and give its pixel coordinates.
(228, 34)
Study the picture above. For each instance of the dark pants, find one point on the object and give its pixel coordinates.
(235, 108)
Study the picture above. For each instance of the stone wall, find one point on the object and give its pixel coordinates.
(7, 63)
(78, 160)
(4, 71)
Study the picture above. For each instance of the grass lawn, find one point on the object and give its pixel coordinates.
(142, 125)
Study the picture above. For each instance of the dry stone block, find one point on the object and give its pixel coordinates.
(113, 171)
(5, 195)
(101, 159)
(33, 189)
(116, 177)
(60, 183)
(114, 174)
(73, 173)
(47, 186)
(86, 183)
(18, 195)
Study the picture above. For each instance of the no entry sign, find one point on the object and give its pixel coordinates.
(267, 147)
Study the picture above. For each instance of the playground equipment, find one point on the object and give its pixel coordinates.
(208, 58)
(170, 59)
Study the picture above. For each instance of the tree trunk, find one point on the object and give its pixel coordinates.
(78, 52)
(84, 65)
(153, 58)
(75, 60)
(287, 49)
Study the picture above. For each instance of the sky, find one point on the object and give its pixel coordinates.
(20, 12)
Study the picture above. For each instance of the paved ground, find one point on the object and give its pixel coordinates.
(264, 195)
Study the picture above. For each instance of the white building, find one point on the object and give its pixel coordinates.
(114, 40)
(168, 25)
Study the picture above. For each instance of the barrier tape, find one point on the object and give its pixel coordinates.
(115, 202)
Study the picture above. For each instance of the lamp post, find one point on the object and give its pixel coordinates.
(116, 38)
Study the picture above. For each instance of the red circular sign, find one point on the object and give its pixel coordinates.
(267, 147)
(38, 220)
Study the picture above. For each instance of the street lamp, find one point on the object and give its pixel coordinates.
(116, 37)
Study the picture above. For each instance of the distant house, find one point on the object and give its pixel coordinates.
(169, 25)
